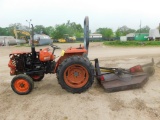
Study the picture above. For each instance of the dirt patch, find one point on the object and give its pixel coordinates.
(116, 104)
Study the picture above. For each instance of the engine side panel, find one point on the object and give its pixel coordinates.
(45, 55)
(24, 63)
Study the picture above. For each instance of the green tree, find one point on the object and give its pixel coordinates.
(72, 29)
(39, 29)
(144, 29)
(124, 30)
(17, 26)
(59, 31)
(106, 32)
(2, 31)
(118, 33)
(12, 26)
(49, 30)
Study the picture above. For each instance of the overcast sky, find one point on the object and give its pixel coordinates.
(102, 13)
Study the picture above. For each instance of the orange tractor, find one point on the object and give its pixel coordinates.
(75, 73)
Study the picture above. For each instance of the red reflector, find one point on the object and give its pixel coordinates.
(102, 78)
(137, 68)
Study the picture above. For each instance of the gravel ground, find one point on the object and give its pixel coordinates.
(48, 101)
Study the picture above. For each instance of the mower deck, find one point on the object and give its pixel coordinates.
(113, 82)
(119, 84)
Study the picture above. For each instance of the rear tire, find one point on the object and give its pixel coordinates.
(22, 84)
(75, 74)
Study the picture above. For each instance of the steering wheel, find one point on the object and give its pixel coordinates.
(54, 46)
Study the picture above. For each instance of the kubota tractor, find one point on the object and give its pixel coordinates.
(74, 71)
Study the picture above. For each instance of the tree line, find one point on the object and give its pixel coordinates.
(71, 29)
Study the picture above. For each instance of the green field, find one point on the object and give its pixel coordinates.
(132, 43)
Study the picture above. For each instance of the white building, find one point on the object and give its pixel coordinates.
(154, 33)
(95, 36)
(123, 38)
(7, 40)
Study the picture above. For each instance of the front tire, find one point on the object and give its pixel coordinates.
(75, 74)
(22, 84)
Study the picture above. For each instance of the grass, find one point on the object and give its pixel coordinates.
(27, 45)
(22, 45)
(116, 43)
(132, 43)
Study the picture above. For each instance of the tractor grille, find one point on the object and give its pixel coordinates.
(17, 60)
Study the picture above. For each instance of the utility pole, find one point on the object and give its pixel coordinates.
(29, 22)
(159, 27)
(140, 27)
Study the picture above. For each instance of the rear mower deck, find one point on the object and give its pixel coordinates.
(113, 83)
(137, 81)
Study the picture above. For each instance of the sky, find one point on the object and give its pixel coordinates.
(102, 13)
